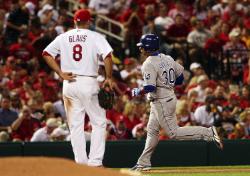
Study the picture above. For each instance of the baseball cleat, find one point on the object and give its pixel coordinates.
(139, 167)
(216, 138)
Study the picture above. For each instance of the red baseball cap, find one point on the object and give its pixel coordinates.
(82, 15)
(128, 61)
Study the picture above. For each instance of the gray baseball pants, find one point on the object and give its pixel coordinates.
(162, 115)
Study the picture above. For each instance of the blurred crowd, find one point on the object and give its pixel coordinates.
(210, 38)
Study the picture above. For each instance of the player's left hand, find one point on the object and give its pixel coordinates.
(135, 92)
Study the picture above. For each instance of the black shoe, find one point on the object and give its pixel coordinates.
(139, 167)
(216, 138)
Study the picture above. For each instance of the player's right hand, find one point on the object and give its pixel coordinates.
(67, 76)
(108, 82)
(135, 92)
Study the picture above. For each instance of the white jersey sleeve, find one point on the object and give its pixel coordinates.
(149, 74)
(54, 47)
(103, 47)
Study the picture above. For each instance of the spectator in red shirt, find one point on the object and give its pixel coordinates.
(245, 117)
(192, 101)
(24, 127)
(130, 70)
(49, 91)
(232, 9)
(211, 19)
(213, 48)
(119, 8)
(224, 33)
(36, 102)
(214, 44)
(130, 115)
(239, 132)
(15, 81)
(26, 92)
(220, 95)
(23, 49)
(9, 66)
(180, 9)
(177, 35)
(139, 130)
(121, 131)
(133, 24)
(115, 113)
(110, 131)
(144, 3)
(183, 114)
(35, 30)
(178, 31)
(245, 97)
(246, 73)
(234, 104)
(131, 120)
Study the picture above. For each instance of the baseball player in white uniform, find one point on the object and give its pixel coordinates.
(80, 51)
(161, 73)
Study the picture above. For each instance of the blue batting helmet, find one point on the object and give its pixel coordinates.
(149, 42)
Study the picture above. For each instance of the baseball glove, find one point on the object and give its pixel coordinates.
(106, 98)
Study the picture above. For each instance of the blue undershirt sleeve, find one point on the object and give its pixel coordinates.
(179, 80)
(149, 88)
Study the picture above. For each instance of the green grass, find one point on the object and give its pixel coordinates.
(200, 174)
(200, 171)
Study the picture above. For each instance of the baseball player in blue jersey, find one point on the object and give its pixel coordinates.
(161, 73)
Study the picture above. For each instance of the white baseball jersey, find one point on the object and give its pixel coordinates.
(161, 71)
(80, 51)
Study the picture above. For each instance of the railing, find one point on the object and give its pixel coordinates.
(233, 62)
(74, 5)
(107, 29)
(111, 24)
(223, 65)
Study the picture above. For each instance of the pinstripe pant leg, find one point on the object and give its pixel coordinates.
(167, 119)
(152, 140)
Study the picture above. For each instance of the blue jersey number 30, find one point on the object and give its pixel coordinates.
(169, 76)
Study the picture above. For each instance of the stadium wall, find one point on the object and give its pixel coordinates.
(126, 153)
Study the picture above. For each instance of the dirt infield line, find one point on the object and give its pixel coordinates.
(45, 166)
(192, 170)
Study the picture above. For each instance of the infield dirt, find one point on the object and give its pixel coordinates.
(43, 166)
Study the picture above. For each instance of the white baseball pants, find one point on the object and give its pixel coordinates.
(80, 97)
